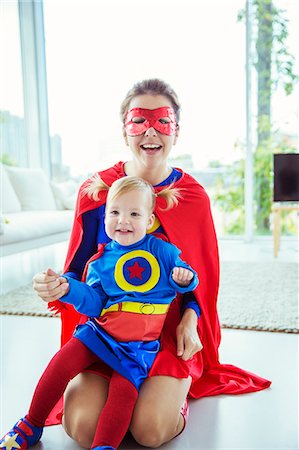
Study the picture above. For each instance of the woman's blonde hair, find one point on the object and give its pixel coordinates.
(153, 86)
(130, 183)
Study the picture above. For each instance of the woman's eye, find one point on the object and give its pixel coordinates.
(164, 120)
(138, 119)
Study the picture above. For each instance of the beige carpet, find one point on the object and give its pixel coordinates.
(23, 302)
(259, 296)
(252, 296)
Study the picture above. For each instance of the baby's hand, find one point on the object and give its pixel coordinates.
(64, 286)
(182, 276)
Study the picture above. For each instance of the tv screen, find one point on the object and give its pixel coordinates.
(286, 177)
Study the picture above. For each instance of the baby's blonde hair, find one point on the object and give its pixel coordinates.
(130, 183)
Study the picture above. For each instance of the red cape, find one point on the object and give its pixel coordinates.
(190, 227)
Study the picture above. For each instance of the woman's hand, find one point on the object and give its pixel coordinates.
(188, 341)
(50, 285)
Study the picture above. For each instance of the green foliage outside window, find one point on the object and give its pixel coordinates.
(229, 192)
(274, 67)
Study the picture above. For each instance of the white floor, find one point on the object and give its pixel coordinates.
(263, 420)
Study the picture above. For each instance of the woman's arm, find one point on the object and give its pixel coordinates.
(189, 301)
(88, 245)
(188, 340)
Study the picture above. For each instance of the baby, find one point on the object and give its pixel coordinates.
(127, 290)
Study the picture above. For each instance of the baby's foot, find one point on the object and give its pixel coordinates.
(21, 436)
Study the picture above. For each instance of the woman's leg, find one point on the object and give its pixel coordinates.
(157, 415)
(84, 400)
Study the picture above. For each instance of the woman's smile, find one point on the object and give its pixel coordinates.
(151, 149)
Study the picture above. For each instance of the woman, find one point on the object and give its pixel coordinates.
(186, 364)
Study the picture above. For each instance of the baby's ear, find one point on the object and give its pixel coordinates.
(151, 221)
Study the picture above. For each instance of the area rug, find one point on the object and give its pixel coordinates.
(252, 296)
(259, 296)
(24, 302)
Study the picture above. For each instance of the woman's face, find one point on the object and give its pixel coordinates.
(152, 147)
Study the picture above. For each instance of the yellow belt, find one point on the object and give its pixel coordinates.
(138, 308)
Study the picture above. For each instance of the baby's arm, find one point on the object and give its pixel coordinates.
(182, 276)
(88, 300)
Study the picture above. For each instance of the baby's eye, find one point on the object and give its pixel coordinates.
(164, 120)
(138, 119)
(113, 212)
(135, 214)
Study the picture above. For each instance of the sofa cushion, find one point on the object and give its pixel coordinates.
(28, 225)
(9, 200)
(65, 194)
(32, 188)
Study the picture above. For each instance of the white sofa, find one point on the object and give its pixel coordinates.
(34, 211)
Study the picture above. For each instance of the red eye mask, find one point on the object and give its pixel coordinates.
(139, 120)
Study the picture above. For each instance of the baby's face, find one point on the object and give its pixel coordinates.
(128, 217)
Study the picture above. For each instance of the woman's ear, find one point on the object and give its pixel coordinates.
(125, 136)
(177, 132)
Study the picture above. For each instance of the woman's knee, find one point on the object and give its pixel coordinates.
(157, 418)
(84, 400)
(79, 429)
(149, 429)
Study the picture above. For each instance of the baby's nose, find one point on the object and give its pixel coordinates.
(123, 218)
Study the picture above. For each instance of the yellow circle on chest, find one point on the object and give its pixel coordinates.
(149, 284)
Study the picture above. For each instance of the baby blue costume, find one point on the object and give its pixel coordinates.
(126, 296)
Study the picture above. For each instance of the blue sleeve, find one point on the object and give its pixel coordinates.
(183, 289)
(88, 245)
(189, 301)
(176, 261)
(87, 299)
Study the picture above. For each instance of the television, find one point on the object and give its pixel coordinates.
(286, 177)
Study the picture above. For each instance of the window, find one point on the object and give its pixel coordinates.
(23, 104)
(96, 53)
(12, 127)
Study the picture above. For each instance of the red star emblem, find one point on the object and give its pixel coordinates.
(136, 271)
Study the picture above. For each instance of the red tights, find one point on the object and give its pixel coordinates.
(72, 358)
